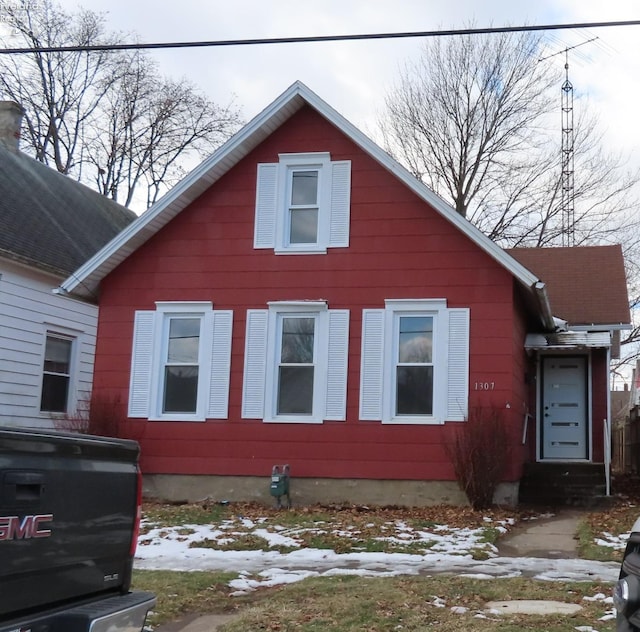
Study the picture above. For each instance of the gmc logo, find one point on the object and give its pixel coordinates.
(16, 528)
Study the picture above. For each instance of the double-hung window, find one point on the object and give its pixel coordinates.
(414, 362)
(180, 364)
(303, 204)
(296, 339)
(413, 368)
(301, 223)
(296, 363)
(56, 375)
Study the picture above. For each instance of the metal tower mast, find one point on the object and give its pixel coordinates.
(567, 200)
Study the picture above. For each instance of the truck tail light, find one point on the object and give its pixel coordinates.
(136, 524)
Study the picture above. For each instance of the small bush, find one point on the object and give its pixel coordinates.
(97, 415)
(480, 452)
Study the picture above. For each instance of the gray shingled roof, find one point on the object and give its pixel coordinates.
(50, 221)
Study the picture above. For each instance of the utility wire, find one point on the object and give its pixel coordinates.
(318, 38)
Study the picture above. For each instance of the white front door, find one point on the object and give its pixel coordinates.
(564, 408)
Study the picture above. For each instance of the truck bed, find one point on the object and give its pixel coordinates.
(68, 506)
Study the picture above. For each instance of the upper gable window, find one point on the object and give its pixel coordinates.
(303, 204)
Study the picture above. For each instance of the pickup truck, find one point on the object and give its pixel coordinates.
(626, 594)
(70, 509)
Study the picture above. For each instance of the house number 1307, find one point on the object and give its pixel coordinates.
(484, 386)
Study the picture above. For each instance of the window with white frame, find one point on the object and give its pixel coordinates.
(303, 204)
(296, 363)
(414, 362)
(56, 375)
(180, 364)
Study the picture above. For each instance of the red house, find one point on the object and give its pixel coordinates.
(300, 298)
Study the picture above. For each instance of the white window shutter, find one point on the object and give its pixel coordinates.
(458, 365)
(266, 206)
(141, 364)
(338, 350)
(340, 204)
(221, 323)
(372, 364)
(255, 364)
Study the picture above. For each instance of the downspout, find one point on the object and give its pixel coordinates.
(608, 430)
(548, 321)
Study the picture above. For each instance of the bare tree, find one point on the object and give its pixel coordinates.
(477, 118)
(149, 127)
(59, 91)
(467, 109)
(107, 118)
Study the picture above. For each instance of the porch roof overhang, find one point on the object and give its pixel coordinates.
(568, 340)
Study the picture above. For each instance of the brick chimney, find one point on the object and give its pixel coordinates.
(10, 123)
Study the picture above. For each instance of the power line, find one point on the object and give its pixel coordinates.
(318, 38)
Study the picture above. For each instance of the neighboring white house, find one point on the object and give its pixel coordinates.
(49, 225)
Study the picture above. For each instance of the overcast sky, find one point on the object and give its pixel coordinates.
(353, 77)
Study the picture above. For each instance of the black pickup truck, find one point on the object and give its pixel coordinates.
(626, 595)
(69, 518)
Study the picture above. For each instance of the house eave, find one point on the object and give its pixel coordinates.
(85, 281)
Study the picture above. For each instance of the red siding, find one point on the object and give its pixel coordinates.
(400, 248)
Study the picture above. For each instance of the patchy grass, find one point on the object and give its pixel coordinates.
(607, 524)
(352, 604)
(343, 529)
(179, 594)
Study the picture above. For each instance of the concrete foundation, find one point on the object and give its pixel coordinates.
(187, 488)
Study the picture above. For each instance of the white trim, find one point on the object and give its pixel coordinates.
(320, 335)
(274, 204)
(436, 310)
(149, 345)
(161, 339)
(589, 403)
(255, 364)
(450, 361)
(330, 361)
(602, 327)
(73, 337)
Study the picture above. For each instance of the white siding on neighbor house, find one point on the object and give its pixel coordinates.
(28, 311)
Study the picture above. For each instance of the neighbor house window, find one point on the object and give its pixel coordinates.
(56, 377)
(180, 363)
(303, 204)
(414, 362)
(296, 363)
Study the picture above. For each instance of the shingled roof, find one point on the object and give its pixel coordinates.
(50, 221)
(586, 285)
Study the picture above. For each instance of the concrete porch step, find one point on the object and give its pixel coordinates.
(568, 484)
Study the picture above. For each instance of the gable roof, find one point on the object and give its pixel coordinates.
(86, 280)
(49, 221)
(575, 275)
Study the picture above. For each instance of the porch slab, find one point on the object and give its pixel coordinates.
(533, 606)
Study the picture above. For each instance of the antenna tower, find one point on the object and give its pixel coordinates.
(567, 200)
